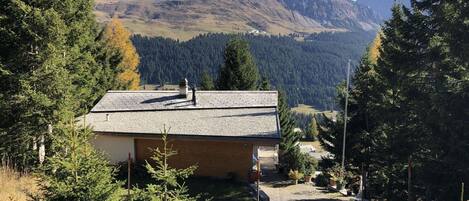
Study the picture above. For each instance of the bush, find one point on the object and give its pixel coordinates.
(76, 171)
(321, 180)
(295, 175)
(168, 183)
(309, 165)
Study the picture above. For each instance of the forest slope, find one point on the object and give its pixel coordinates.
(308, 71)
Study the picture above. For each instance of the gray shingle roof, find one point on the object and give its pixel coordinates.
(241, 122)
(165, 100)
(217, 113)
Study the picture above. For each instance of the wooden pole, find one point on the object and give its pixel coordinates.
(409, 178)
(362, 182)
(128, 175)
(345, 118)
(258, 178)
(462, 191)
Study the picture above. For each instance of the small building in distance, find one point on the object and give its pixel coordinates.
(219, 131)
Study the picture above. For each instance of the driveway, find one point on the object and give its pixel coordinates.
(279, 188)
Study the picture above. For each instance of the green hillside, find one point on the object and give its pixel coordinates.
(308, 71)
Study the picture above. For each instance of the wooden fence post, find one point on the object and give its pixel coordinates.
(462, 191)
(409, 179)
(258, 178)
(128, 176)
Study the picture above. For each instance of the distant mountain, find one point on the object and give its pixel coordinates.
(383, 7)
(184, 19)
(336, 13)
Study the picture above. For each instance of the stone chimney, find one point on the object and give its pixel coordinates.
(183, 88)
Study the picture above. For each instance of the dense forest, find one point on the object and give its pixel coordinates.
(307, 70)
(407, 131)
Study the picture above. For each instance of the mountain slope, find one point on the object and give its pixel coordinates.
(308, 71)
(184, 19)
(336, 13)
(383, 7)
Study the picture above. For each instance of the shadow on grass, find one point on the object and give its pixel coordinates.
(205, 187)
(321, 199)
(219, 189)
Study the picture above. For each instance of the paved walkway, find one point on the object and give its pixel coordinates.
(303, 192)
(281, 189)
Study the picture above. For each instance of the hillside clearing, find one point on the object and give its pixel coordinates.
(308, 109)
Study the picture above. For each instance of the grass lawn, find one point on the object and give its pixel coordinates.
(308, 109)
(219, 189)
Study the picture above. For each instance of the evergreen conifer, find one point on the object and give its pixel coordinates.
(169, 182)
(239, 71)
(76, 171)
(206, 82)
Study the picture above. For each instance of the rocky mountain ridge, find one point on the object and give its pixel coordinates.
(184, 19)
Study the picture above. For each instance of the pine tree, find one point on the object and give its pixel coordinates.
(313, 131)
(37, 82)
(54, 67)
(239, 71)
(443, 95)
(393, 105)
(118, 37)
(206, 82)
(169, 182)
(290, 155)
(76, 171)
(264, 85)
(403, 46)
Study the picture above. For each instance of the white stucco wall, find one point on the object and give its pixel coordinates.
(116, 148)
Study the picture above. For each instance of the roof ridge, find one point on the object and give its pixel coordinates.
(198, 91)
(185, 108)
(142, 91)
(238, 91)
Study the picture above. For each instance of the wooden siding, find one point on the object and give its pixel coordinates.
(213, 158)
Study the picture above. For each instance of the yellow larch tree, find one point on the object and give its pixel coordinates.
(118, 37)
(374, 49)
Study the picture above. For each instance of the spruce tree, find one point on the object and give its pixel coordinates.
(289, 140)
(405, 107)
(313, 131)
(264, 85)
(444, 94)
(239, 71)
(37, 86)
(403, 47)
(169, 182)
(76, 171)
(54, 66)
(206, 82)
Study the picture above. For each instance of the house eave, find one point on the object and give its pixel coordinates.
(256, 140)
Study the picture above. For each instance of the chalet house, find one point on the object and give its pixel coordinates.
(219, 131)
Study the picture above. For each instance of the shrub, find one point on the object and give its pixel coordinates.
(309, 165)
(168, 182)
(77, 171)
(295, 175)
(321, 180)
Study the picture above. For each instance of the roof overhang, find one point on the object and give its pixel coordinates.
(263, 141)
